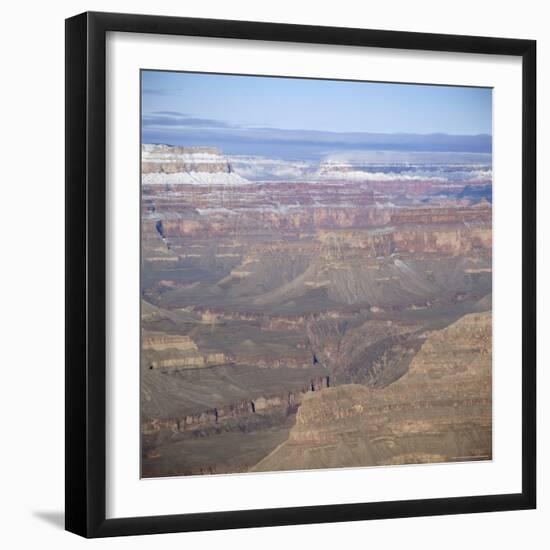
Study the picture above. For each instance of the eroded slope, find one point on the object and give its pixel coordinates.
(439, 411)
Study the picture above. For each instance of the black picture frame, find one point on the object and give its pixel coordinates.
(86, 274)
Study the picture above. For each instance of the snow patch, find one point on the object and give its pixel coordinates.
(193, 178)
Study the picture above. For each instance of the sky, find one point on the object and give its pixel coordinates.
(301, 118)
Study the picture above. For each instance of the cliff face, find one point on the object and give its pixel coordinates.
(220, 418)
(421, 239)
(217, 223)
(428, 216)
(165, 165)
(439, 411)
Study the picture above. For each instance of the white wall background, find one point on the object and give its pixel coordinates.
(32, 272)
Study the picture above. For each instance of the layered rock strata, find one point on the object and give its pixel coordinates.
(439, 411)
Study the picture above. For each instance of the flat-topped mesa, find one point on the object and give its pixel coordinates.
(168, 165)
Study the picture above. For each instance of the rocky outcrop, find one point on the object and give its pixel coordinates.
(439, 411)
(161, 350)
(160, 341)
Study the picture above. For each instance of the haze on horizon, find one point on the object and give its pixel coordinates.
(308, 118)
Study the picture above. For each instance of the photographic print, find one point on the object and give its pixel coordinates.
(316, 274)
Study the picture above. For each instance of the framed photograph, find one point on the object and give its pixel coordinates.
(300, 274)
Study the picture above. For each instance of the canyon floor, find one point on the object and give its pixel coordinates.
(323, 322)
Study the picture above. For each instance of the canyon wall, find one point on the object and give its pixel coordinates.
(439, 411)
(317, 302)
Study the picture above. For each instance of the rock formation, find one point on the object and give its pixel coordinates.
(439, 411)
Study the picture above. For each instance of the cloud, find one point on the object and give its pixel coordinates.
(177, 128)
(169, 113)
(411, 157)
(157, 91)
(171, 119)
(262, 168)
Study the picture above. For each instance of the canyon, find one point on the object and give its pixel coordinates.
(438, 411)
(337, 314)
